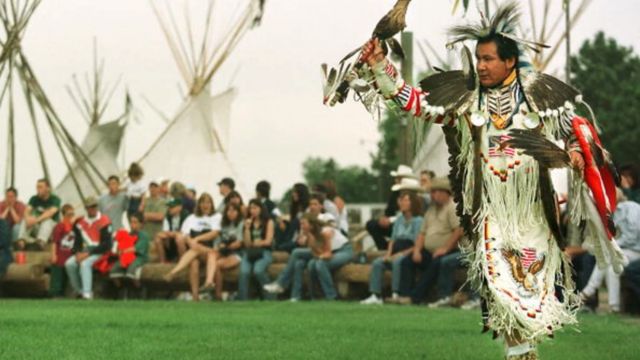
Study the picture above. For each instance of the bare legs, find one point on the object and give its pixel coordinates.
(216, 265)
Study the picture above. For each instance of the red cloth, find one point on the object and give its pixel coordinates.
(63, 239)
(599, 177)
(126, 241)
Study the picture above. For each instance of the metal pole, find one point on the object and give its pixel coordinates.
(406, 148)
(567, 16)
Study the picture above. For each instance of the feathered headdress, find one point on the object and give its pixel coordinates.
(504, 22)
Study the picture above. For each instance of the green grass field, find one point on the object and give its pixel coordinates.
(45, 329)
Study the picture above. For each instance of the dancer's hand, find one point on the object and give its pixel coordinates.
(577, 161)
(372, 52)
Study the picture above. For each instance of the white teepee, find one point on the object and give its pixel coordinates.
(193, 149)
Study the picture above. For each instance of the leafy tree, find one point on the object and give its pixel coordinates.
(354, 183)
(608, 75)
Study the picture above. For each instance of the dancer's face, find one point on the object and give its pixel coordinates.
(492, 70)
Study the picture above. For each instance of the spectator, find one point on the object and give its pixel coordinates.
(179, 191)
(632, 272)
(133, 253)
(225, 187)
(163, 188)
(292, 274)
(288, 230)
(331, 251)
(225, 255)
(40, 217)
(630, 182)
(190, 195)
(12, 210)
(403, 237)
(263, 193)
(5, 247)
(626, 218)
(92, 238)
(380, 228)
(328, 204)
(234, 197)
(258, 239)
(426, 176)
(316, 206)
(61, 250)
(154, 210)
(170, 239)
(200, 229)
(436, 250)
(114, 203)
(342, 218)
(135, 189)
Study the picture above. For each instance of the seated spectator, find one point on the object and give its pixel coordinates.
(200, 229)
(380, 228)
(426, 176)
(263, 193)
(135, 189)
(626, 218)
(114, 203)
(179, 191)
(258, 239)
(288, 229)
(225, 255)
(61, 250)
(5, 247)
(170, 239)
(436, 251)
(328, 204)
(133, 252)
(403, 237)
(154, 210)
(40, 217)
(293, 273)
(12, 211)
(92, 239)
(630, 182)
(235, 198)
(632, 272)
(331, 250)
(225, 187)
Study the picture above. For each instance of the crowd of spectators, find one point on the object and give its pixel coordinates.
(417, 238)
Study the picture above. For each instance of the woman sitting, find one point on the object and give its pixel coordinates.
(226, 248)
(331, 250)
(403, 236)
(200, 229)
(258, 238)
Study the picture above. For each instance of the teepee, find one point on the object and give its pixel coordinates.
(193, 148)
(103, 141)
(21, 90)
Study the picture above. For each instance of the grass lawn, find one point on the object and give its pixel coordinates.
(45, 329)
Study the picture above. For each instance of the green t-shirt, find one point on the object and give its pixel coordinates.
(39, 206)
(151, 205)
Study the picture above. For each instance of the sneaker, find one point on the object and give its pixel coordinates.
(294, 300)
(444, 302)
(372, 300)
(87, 296)
(273, 288)
(207, 287)
(471, 304)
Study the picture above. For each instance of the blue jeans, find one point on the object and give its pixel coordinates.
(377, 274)
(440, 271)
(320, 270)
(259, 270)
(294, 271)
(632, 272)
(81, 275)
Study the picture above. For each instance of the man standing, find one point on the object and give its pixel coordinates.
(92, 238)
(436, 249)
(12, 211)
(225, 187)
(114, 203)
(155, 209)
(40, 217)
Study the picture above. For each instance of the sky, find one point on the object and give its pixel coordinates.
(278, 118)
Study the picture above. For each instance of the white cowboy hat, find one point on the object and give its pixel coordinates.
(408, 184)
(404, 171)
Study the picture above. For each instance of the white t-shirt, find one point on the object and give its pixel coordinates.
(201, 223)
(338, 240)
(136, 189)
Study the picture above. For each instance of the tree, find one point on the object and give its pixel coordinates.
(608, 75)
(388, 157)
(354, 183)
